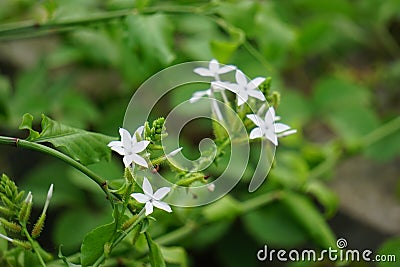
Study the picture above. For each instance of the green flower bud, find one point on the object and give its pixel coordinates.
(23, 244)
(12, 226)
(38, 227)
(129, 222)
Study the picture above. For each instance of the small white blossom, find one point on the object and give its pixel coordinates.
(152, 200)
(129, 147)
(214, 70)
(269, 127)
(243, 88)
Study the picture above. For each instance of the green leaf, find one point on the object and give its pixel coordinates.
(324, 195)
(155, 255)
(26, 124)
(93, 245)
(390, 247)
(152, 35)
(3, 242)
(175, 255)
(65, 260)
(86, 147)
(306, 214)
(225, 208)
(274, 225)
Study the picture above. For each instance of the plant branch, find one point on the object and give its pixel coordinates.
(32, 28)
(188, 229)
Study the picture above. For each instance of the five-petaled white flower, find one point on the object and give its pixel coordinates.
(152, 200)
(269, 127)
(129, 147)
(243, 88)
(214, 70)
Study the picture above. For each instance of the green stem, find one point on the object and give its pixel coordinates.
(121, 237)
(33, 28)
(188, 229)
(55, 153)
(35, 246)
(381, 132)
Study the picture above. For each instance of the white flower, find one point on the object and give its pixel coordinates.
(269, 127)
(152, 200)
(129, 147)
(214, 70)
(243, 88)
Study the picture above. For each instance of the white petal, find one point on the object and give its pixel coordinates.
(253, 84)
(141, 198)
(256, 119)
(242, 97)
(241, 78)
(146, 187)
(213, 66)
(270, 116)
(280, 127)
(139, 130)
(256, 133)
(114, 143)
(140, 146)
(272, 137)
(293, 131)
(226, 69)
(173, 153)
(203, 72)
(127, 160)
(162, 205)
(139, 160)
(119, 149)
(125, 138)
(271, 111)
(197, 95)
(256, 94)
(161, 193)
(149, 208)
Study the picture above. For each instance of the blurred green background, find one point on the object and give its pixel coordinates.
(335, 63)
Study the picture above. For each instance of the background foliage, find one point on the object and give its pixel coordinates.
(336, 64)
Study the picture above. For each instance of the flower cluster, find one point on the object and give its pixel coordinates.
(243, 89)
(134, 147)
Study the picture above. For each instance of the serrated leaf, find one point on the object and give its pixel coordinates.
(83, 146)
(93, 245)
(155, 255)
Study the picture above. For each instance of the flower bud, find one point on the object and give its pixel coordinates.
(12, 226)
(38, 227)
(129, 222)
